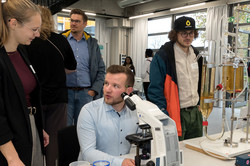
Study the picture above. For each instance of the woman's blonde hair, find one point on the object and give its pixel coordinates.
(47, 23)
(21, 10)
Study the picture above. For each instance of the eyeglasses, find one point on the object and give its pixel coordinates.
(185, 34)
(75, 21)
(35, 30)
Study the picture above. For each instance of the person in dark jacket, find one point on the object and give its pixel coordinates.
(129, 63)
(51, 55)
(22, 138)
(175, 76)
(86, 83)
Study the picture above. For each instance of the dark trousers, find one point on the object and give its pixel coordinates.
(145, 87)
(55, 118)
(191, 123)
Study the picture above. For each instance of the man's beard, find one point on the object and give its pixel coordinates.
(182, 44)
(114, 102)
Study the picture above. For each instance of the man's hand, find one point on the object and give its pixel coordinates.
(199, 108)
(91, 93)
(128, 162)
(67, 71)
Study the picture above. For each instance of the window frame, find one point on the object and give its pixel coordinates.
(173, 18)
(232, 26)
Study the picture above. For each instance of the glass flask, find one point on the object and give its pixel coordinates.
(207, 90)
(228, 77)
(208, 79)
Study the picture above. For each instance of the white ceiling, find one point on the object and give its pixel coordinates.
(111, 8)
(108, 7)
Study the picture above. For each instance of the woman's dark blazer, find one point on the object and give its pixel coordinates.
(14, 116)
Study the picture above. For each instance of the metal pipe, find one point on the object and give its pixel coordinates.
(233, 102)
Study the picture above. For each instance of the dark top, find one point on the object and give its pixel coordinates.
(27, 78)
(14, 115)
(132, 68)
(49, 66)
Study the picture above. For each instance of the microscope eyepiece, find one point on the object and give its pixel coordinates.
(128, 101)
(124, 94)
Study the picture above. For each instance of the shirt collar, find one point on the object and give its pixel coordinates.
(178, 48)
(71, 36)
(110, 108)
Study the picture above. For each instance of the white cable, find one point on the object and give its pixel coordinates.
(213, 155)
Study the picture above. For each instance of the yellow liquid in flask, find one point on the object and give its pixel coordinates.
(228, 78)
(207, 90)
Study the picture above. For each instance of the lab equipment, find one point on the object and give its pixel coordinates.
(101, 163)
(243, 160)
(231, 67)
(79, 163)
(208, 77)
(158, 139)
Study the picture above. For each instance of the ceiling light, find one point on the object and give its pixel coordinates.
(189, 6)
(66, 10)
(90, 14)
(139, 16)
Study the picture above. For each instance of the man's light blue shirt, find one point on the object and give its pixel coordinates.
(80, 78)
(101, 132)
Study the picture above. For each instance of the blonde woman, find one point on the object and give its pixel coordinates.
(22, 138)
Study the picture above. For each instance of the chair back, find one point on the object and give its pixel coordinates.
(68, 146)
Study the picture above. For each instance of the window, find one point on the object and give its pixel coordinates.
(158, 29)
(244, 30)
(63, 23)
(243, 34)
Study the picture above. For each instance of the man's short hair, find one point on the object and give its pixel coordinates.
(116, 69)
(80, 12)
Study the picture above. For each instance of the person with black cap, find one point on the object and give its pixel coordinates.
(175, 75)
(146, 70)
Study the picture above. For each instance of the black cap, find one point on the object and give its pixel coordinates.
(184, 23)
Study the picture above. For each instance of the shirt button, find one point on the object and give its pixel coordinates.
(120, 142)
(120, 154)
(121, 129)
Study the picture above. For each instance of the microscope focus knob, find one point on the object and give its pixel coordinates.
(150, 163)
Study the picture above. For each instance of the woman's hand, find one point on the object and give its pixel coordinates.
(10, 154)
(45, 139)
(16, 162)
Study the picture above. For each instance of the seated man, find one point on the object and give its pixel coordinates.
(103, 124)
